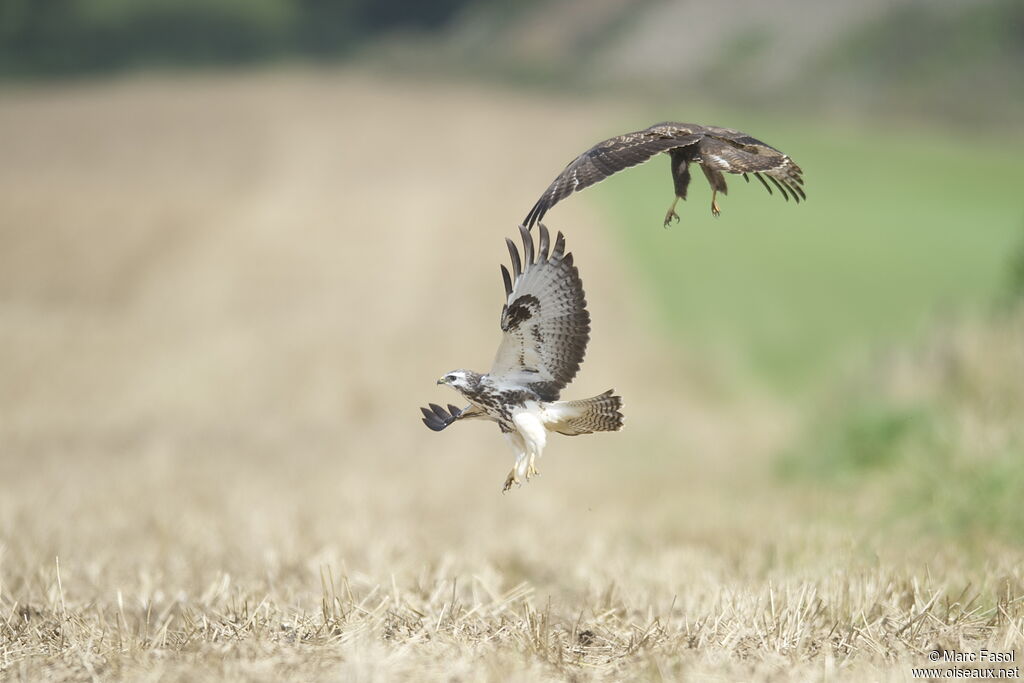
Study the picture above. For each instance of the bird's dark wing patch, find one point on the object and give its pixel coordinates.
(545, 321)
(519, 311)
(437, 418)
(611, 156)
(547, 391)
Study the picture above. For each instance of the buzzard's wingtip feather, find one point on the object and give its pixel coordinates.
(559, 246)
(545, 243)
(507, 279)
(517, 265)
(792, 191)
(777, 184)
(536, 213)
(527, 246)
(431, 420)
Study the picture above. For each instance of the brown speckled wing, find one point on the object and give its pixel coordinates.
(545, 321)
(609, 157)
(731, 151)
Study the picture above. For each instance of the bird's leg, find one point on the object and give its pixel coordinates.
(672, 212)
(531, 467)
(715, 211)
(516, 473)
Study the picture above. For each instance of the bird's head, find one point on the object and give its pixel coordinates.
(460, 380)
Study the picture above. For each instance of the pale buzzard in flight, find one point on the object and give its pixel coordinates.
(546, 328)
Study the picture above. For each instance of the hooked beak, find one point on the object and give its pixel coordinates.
(441, 381)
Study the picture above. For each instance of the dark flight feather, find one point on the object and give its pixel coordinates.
(517, 266)
(507, 279)
(437, 418)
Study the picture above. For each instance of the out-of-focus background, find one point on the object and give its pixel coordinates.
(239, 241)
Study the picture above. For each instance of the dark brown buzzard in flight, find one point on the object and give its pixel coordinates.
(717, 150)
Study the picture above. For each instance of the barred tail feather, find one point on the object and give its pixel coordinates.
(596, 414)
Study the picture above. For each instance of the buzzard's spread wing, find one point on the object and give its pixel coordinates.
(437, 418)
(731, 151)
(719, 149)
(611, 156)
(544, 319)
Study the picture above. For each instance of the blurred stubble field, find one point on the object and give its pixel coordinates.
(223, 300)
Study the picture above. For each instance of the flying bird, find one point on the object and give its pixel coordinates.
(546, 327)
(716, 150)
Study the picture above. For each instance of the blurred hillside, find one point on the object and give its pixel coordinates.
(938, 58)
(65, 37)
(889, 54)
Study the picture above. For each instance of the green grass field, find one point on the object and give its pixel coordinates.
(900, 228)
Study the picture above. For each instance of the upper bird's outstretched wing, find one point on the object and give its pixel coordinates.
(611, 156)
(544, 318)
(732, 151)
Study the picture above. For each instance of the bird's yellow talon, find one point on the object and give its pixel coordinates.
(531, 470)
